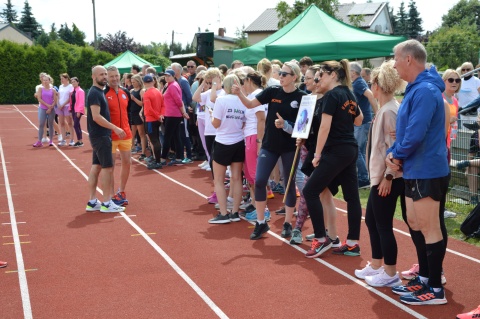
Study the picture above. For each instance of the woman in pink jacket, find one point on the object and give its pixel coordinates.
(77, 108)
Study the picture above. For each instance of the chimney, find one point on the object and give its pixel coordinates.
(221, 32)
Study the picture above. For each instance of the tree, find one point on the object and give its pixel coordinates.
(53, 33)
(393, 19)
(43, 39)
(78, 36)
(117, 43)
(28, 23)
(356, 20)
(287, 13)
(464, 12)
(242, 40)
(66, 34)
(401, 21)
(414, 21)
(9, 14)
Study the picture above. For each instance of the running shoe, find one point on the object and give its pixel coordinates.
(205, 166)
(187, 161)
(411, 273)
(3, 264)
(208, 169)
(234, 217)
(213, 198)
(318, 248)
(335, 243)
(267, 215)
(279, 189)
(120, 199)
(368, 271)
(347, 250)
(154, 165)
(175, 163)
(111, 207)
(425, 296)
(382, 279)
(142, 157)
(51, 143)
(251, 216)
(246, 205)
(72, 143)
(297, 238)
(78, 144)
(259, 230)
(414, 284)
(282, 211)
(60, 137)
(229, 205)
(270, 194)
(461, 165)
(220, 219)
(45, 140)
(310, 237)
(62, 143)
(287, 230)
(475, 313)
(449, 214)
(202, 164)
(149, 159)
(37, 144)
(93, 207)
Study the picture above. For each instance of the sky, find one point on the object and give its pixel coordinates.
(155, 20)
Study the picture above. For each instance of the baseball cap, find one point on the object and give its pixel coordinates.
(147, 78)
(170, 72)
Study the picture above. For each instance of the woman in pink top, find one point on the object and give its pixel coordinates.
(174, 112)
(77, 108)
(47, 97)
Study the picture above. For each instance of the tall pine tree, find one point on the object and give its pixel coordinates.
(9, 14)
(414, 21)
(393, 19)
(401, 21)
(28, 23)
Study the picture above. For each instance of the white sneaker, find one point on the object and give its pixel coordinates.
(111, 207)
(229, 205)
(208, 169)
(449, 214)
(60, 137)
(62, 143)
(94, 207)
(45, 140)
(202, 164)
(71, 143)
(383, 280)
(367, 271)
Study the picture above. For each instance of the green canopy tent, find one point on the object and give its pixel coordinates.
(125, 60)
(321, 37)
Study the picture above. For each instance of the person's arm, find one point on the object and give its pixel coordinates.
(373, 102)
(139, 102)
(100, 120)
(186, 90)
(323, 132)
(250, 104)
(197, 95)
(260, 128)
(359, 119)
(473, 105)
(447, 117)
(218, 110)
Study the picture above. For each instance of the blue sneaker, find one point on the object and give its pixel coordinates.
(425, 296)
(412, 286)
(120, 199)
(267, 215)
(278, 189)
(252, 216)
(175, 163)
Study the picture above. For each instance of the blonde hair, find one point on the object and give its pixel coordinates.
(447, 74)
(137, 77)
(295, 69)
(213, 72)
(264, 66)
(229, 81)
(386, 77)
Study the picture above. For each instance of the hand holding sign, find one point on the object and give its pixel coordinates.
(279, 122)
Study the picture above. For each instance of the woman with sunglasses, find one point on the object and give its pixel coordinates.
(335, 158)
(283, 103)
(453, 84)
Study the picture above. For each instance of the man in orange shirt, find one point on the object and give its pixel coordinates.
(118, 98)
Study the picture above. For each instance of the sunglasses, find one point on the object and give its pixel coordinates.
(316, 80)
(466, 70)
(208, 83)
(322, 72)
(451, 80)
(284, 74)
(190, 66)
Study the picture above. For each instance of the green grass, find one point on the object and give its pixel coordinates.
(452, 224)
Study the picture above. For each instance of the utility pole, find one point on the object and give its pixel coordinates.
(173, 39)
(94, 27)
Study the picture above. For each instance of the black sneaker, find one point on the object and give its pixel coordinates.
(220, 219)
(280, 211)
(287, 230)
(234, 217)
(250, 208)
(259, 230)
(142, 157)
(78, 144)
(472, 126)
(154, 165)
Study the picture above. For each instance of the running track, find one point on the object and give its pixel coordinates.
(161, 259)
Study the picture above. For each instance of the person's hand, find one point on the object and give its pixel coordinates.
(392, 163)
(48, 111)
(120, 133)
(236, 88)
(385, 187)
(185, 116)
(279, 122)
(161, 118)
(315, 161)
(299, 142)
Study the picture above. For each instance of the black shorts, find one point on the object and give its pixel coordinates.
(436, 188)
(228, 154)
(102, 151)
(136, 119)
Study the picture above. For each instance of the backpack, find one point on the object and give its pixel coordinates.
(471, 225)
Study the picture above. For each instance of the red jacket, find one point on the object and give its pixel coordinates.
(153, 106)
(117, 104)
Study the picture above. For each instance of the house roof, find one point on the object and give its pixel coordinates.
(224, 39)
(5, 25)
(268, 20)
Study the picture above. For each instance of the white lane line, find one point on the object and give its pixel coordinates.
(448, 249)
(165, 256)
(22, 277)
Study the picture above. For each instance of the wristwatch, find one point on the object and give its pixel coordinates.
(388, 177)
(259, 141)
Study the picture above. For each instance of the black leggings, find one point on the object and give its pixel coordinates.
(209, 142)
(338, 166)
(172, 132)
(379, 220)
(153, 133)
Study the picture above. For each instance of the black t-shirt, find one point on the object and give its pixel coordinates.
(97, 97)
(341, 104)
(286, 104)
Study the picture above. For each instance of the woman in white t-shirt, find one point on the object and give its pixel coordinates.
(62, 109)
(254, 129)
(228, 117)
(202, 87)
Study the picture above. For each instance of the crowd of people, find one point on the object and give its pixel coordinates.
(239, 122)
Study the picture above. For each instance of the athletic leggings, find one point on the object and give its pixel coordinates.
(172, 133)
(301, 179)
(42, 118)
(265, 164)
(337, 167)
(153, 132)
(379, 220)
(76, 125)
(209, 142)
(201, 133)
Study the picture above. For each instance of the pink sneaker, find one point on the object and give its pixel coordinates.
(213, 199)
(411, 273)
(38, 144)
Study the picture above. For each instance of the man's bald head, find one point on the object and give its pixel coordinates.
(99, 76)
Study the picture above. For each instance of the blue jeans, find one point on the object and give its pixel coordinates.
(361, 135)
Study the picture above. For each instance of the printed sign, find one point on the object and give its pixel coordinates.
(304, 117)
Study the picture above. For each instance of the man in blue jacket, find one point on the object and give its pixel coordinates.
(420, 150)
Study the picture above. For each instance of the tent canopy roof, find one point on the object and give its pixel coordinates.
(125, 60)
(321, 37)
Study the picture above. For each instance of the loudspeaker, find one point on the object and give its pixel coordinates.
(205, 44)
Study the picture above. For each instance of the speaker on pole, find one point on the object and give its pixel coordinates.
(205, 44)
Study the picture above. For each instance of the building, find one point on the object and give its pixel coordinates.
(11, 33)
